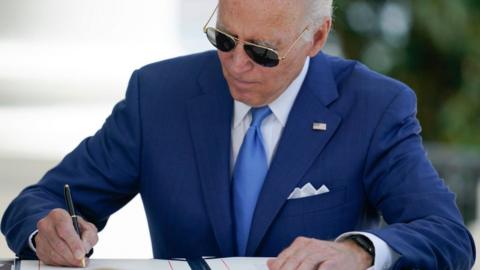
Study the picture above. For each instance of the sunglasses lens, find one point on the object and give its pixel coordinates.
(259, 55)
(262, 56)
(219, 40)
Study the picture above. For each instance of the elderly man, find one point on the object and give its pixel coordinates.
(267, 148)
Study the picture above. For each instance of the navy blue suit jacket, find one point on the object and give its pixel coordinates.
(170, 141)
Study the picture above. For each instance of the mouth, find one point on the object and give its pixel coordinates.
(241, 83)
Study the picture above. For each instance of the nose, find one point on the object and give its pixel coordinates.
(240, 60)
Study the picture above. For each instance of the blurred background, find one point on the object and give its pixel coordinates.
(64, 64)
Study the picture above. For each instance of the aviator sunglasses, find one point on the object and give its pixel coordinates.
(261, 55)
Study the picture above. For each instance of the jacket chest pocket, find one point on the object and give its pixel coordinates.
(305, 205)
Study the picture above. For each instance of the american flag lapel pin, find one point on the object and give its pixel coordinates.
(319, 126)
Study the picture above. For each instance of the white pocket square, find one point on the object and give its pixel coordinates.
(306, 191)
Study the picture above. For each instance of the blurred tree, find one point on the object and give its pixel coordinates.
(433, 46)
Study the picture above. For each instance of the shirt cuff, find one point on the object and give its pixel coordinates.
(385, 256)
(30, 241)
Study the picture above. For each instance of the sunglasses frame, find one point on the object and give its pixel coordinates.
(237, 40)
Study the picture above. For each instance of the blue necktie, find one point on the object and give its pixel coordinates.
(250, 170)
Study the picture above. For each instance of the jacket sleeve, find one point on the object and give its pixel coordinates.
(424, 224)
(102, 171)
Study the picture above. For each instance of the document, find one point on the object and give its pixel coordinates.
(6, 265)
(238, 263)
(232, 263)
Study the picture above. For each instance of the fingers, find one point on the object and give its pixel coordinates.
(286, 259)
(57, 241)
(314, 260)
(308, 257)
(322, 255)
(65, 230)
(311, 254)
(89, 234)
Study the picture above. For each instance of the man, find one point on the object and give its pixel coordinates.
(267, 148)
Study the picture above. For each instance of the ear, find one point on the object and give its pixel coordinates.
(320, 37)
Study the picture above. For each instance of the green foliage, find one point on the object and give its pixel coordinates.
(433, 46)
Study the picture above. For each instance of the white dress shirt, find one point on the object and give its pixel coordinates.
(272, 128)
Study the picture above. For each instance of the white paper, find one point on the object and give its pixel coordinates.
(238, 263)
(232, 263)
(110, 264)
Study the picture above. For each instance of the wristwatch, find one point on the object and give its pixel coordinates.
(365, 243)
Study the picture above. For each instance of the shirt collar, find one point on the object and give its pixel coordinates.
(281, 106)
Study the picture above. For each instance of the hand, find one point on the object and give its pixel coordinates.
(58, 243)
(308, 253)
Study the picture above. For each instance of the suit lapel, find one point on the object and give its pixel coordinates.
(298, 146)
(210, 117)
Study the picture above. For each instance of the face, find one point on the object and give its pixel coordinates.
(272, 23)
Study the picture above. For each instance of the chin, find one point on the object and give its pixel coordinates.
(245, 98)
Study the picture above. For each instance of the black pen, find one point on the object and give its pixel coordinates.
(71, 211)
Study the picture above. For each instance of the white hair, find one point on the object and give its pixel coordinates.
(316, 13)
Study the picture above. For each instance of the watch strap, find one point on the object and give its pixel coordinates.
(365, 243)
